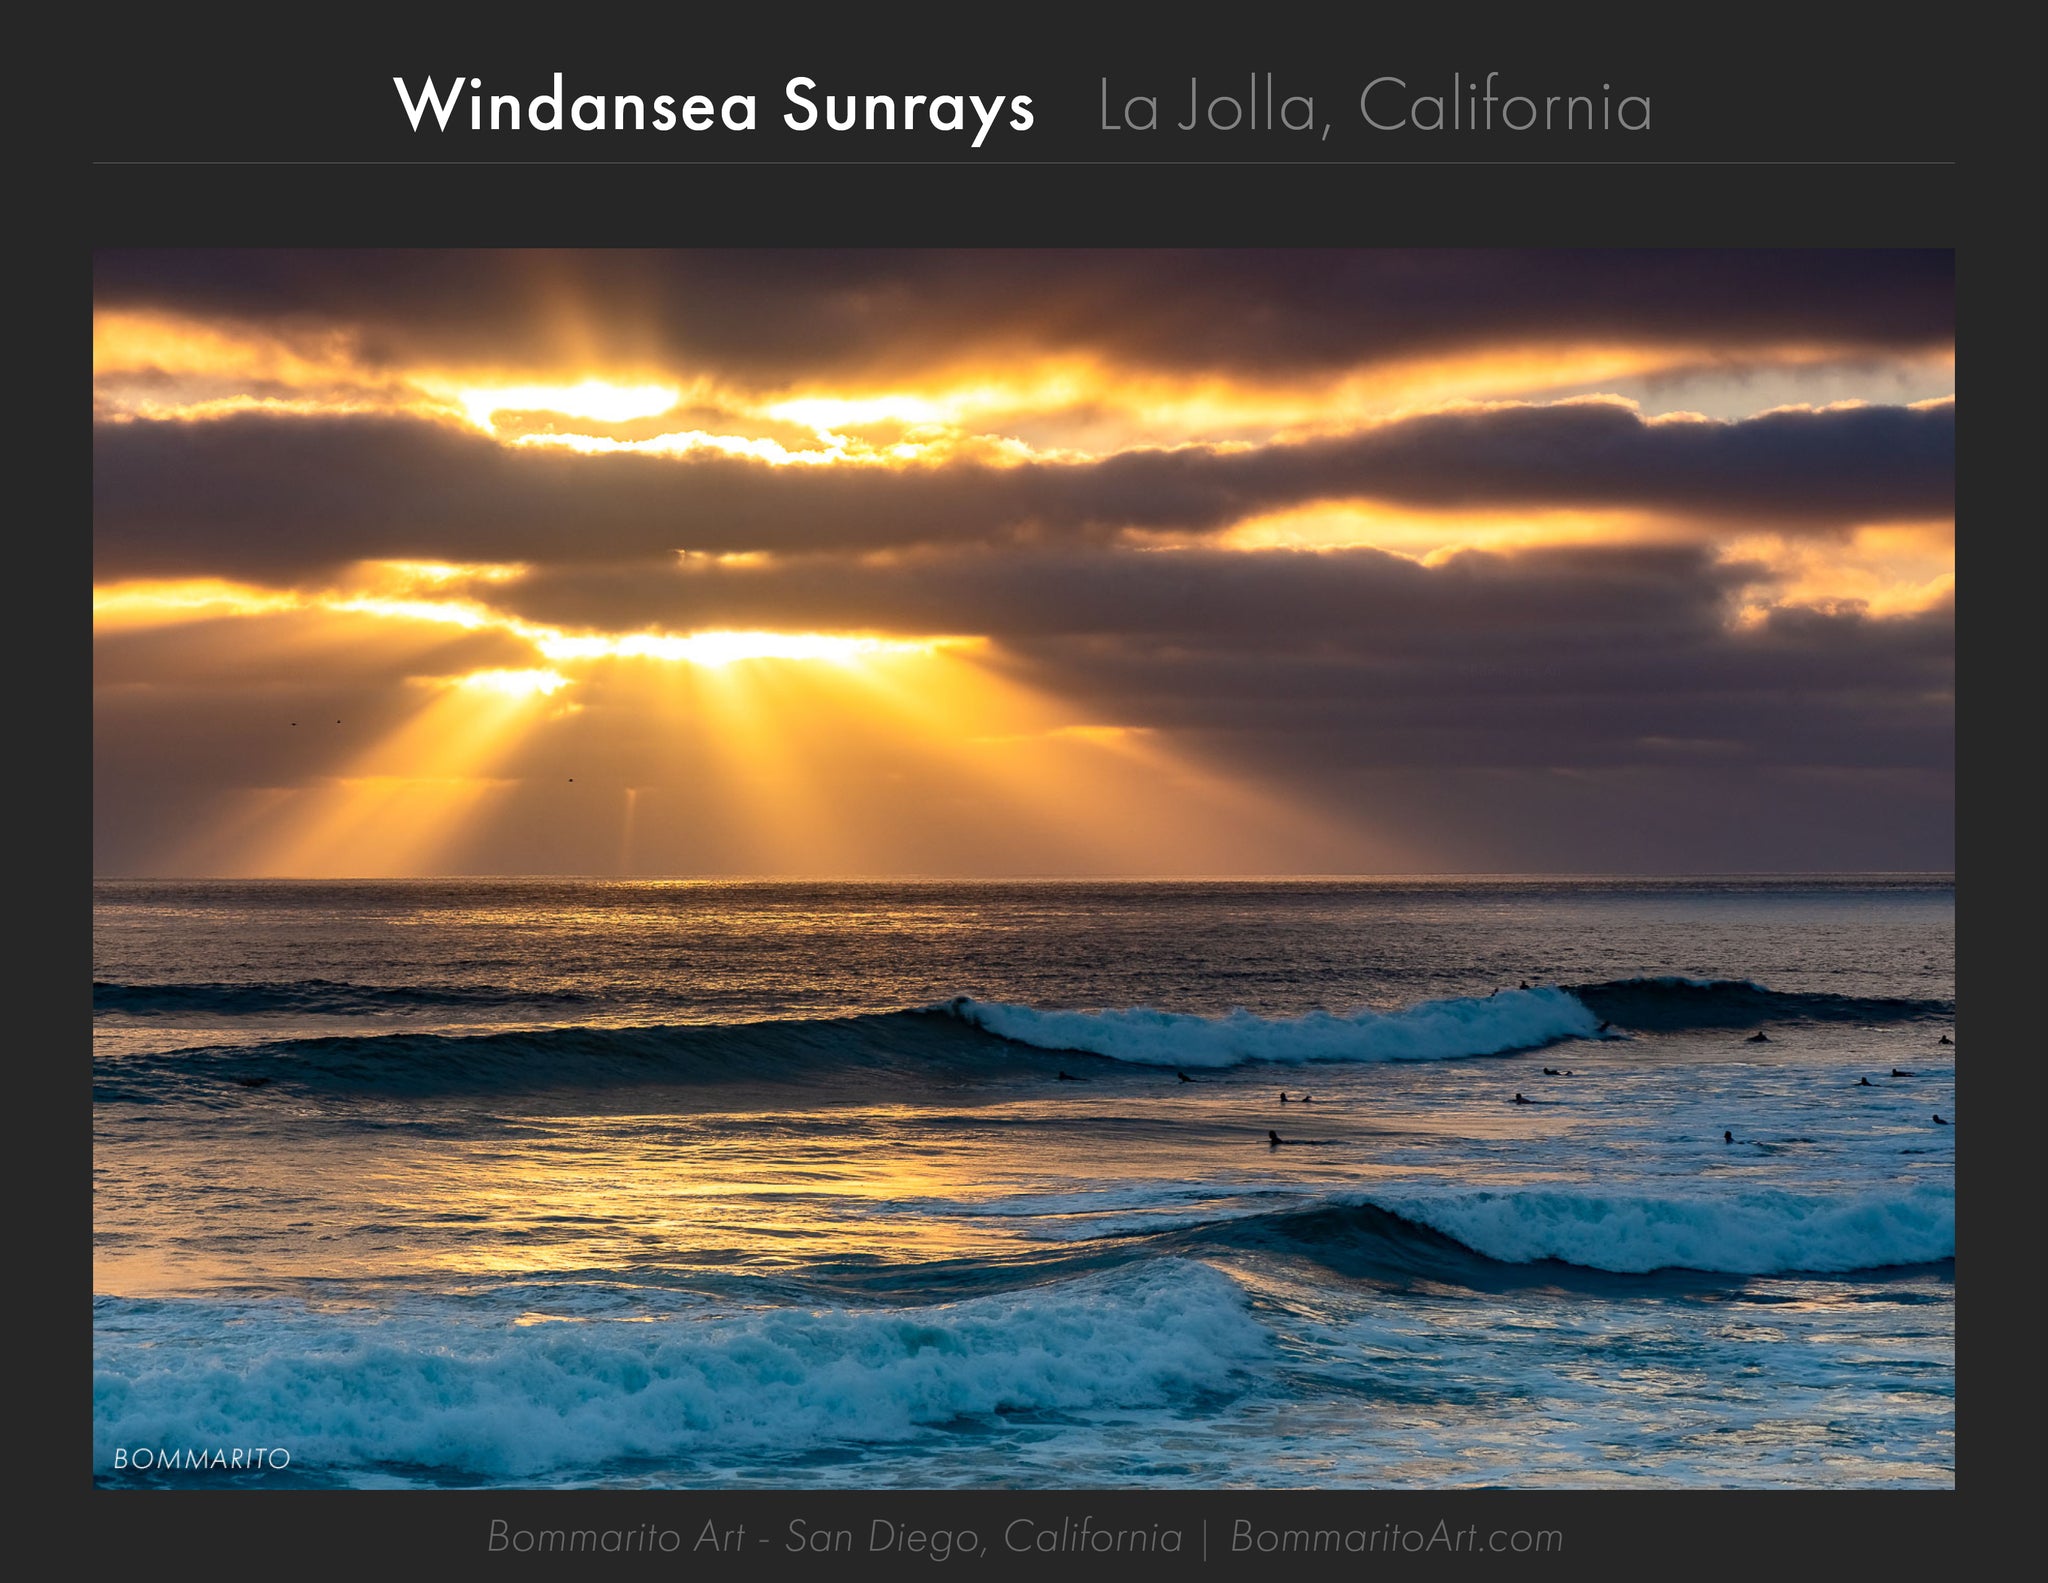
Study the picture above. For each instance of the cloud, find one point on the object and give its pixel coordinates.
(763, 319)
(1311, 663)
(269, 495)
(1585, 708)
(1565, 656)
(1681, 686)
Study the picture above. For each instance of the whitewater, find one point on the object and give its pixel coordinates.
(557, 1183)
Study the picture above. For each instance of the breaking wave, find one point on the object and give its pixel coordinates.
(444, 1398)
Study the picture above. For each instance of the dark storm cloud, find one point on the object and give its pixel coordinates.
(770, 318)
(1562, 708)
(1309, 666)
(1608, 660)
(1560, 656)
(1315, 666)
(1544, 694)
(1212, 601)
(263, 495)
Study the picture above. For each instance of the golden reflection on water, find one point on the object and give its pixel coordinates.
(732, 1191)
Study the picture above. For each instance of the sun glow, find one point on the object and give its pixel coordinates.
(719, 649)
(1005, 402)
(740, 750)
(516, 684)
(1419, 534)
(412, 598)
(1894, 570)
(595, 399)
(142, 604)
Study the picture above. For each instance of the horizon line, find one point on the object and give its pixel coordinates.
(1334, 876)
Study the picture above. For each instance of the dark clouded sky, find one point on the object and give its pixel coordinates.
(1023, 562)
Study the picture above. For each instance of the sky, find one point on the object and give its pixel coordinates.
(1022, 563)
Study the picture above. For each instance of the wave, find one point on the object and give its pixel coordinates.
(442, 1390)
(1511, 1019)
(312, 996)
(439, 1396)
(960, 1037)
(1432, 1030)
(1469, 1234)
(1668, 1004)
(1439, 1234)
(813, 1051)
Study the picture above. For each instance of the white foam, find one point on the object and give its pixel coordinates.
(1759, 1232)
(1432, 1030)
(434, 1389)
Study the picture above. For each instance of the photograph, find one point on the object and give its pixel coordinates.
(1023, 869)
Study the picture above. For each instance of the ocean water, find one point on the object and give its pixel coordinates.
(596, 1183)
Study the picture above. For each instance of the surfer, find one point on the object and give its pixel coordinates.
(1525, 983)
(1727, 1137)
(1944, 1039)
(1274, 1140)
(1759, 1037)
(1521, 1101)
(1308, 1099)
(1864, 1082)
(1551, 1071)
(1896, 1072)
(1183, 1077)
(1068, 1077)
(1938, 1121)
(252, 1082)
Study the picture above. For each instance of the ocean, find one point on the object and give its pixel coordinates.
(607, 1183)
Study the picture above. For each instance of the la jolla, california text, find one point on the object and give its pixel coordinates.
(464, 102)
(1386, 104)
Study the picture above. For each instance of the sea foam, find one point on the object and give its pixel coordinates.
(1431, 1030)
(452, 1397)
